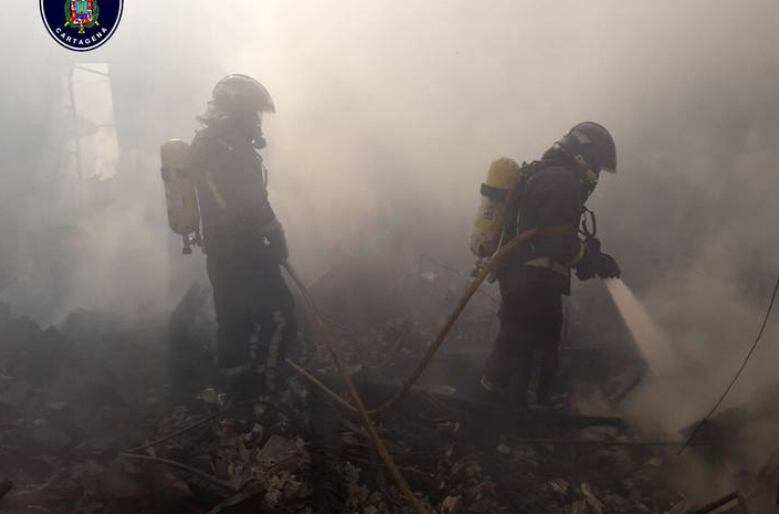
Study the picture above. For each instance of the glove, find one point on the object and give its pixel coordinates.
(608, 267)
(596, 262)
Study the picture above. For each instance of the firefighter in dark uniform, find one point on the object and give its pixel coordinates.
(534, 278)
(244, 242)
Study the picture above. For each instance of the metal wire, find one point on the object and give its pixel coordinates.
(738, 373)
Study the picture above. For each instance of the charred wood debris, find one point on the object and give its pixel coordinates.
(102, 414)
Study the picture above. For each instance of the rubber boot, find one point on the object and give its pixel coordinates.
(490, 391)
(242, 383)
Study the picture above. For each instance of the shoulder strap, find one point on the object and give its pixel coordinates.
(528, 170)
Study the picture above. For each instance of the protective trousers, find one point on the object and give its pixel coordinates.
(530, 323)
(255, 315)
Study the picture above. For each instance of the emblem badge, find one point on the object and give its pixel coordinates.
(84, 25)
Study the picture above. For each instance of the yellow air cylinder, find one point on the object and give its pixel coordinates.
(502, 178)
(180, 196)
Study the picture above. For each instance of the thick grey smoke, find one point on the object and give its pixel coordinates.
(389, 114)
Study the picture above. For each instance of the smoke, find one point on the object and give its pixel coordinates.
(389, 114)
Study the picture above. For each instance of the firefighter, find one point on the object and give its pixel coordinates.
(243, 240)
(533, 280)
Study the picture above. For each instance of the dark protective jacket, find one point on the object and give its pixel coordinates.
(244, 244)
(551, 196)
(231, 187)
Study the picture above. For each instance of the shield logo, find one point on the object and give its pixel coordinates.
(83, 14)
(81, 25)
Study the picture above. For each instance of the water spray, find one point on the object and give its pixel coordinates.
(656, 348)
(661, 356)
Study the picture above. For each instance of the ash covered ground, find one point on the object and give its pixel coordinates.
(101, 414)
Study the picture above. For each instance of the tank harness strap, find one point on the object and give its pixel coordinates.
(496, 193)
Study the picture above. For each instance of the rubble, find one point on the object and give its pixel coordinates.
(90, 424)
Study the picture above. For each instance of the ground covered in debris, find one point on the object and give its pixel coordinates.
(89, 420)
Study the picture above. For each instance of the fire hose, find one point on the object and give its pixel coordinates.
(494, 263)
(367, 422)
(366, 416)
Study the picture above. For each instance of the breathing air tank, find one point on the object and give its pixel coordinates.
(502, 177)
(180, 195)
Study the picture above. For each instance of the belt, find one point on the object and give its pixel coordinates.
(546, 262)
